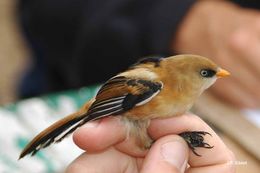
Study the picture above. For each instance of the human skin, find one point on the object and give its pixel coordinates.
(110, 150)
(229, 35)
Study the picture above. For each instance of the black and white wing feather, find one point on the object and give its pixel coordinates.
(115, 97)
(121, 94)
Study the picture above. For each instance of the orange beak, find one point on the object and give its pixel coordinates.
(222, 73)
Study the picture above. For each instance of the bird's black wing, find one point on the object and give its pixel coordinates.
(116, 96)
(121, 94)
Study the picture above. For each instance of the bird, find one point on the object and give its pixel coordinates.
(153, 87)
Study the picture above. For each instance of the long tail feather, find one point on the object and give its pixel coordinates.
(57, 131)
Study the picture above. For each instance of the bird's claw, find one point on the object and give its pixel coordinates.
(196, 139)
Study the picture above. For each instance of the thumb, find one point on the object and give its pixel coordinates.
(168, 154)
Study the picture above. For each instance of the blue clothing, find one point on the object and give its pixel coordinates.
(81, 42)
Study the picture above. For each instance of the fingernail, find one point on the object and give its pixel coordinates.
(175, 153)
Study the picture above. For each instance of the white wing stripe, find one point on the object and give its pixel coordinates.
(110, 100)
(107, 104)
(148, 99)
(110, 113)
(103, 110)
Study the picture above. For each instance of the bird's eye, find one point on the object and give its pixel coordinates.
(207, 73)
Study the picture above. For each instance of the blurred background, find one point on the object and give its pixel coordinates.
(14, 52)
(49, 53)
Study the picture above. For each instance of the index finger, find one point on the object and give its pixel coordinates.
(99, 135)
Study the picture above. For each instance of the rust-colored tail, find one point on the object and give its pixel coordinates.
(57, 131)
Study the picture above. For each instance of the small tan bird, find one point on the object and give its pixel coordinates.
(151, 88)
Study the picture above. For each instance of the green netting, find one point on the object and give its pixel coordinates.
(20, 121)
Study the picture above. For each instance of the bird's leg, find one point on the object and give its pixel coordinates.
(143, 139)
(195, 139)
(138, 129)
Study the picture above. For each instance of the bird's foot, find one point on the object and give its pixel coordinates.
(195, 139)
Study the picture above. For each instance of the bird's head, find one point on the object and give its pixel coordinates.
(192, 71)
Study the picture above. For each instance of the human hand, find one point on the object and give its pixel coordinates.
(109, 150)
(229, 35)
